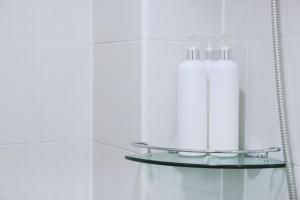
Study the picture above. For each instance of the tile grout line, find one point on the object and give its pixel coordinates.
(114, 146)
(261, 40)
(65, 44)
(44, 43)
(116, 42)
(170, 40)
(46, 143)
(129, 41)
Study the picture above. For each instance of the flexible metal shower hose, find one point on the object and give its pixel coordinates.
(281, 99)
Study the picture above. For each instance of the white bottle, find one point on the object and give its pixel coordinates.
(192, 104)
(224, 104)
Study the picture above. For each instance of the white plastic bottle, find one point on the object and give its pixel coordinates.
(192, 103)
(224, 103)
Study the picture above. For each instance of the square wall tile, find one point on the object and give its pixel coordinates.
(266, 184)
(165, 182)
(46, 93)
(117, 93)
(60, 171)
(290, 18)
(236, 19)
(175, 19)
(115, 177)
(63, 21)
(262, 128)
(116, 20)
(291, 52)
(260, 20)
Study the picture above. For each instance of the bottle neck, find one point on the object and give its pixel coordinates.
(210, 54)
(225, 53)
(193, 54)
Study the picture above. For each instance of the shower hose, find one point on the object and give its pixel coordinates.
(281, 100)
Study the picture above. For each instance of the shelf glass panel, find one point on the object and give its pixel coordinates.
(238, 162)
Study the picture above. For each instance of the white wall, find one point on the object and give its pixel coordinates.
(150, 41)
(135, 93)
(117, 99)
(250, 23)
(166, 26)
(46, 100)
(81, 80)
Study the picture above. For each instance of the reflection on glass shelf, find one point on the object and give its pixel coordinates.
(174, 159)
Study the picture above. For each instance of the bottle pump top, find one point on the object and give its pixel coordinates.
(193, 53)
(209, 51)
(225, 50)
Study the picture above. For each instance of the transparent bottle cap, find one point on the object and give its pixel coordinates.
(193, 53)
(225, 51)
(210, 53)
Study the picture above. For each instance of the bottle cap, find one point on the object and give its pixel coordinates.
(210, 53)
(193, 53)
(225, 51)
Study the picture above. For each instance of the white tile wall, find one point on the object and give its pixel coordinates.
(51, 94)
(259, 20)
(266, 184)
(262, 115)
(162, 59)
(163, 182)
(175, 19)
(46, 85)
(290, 18)
(63, 21)
(46, 93)
(262, 125)
(114, 177)
(117, 93)
(117, 97)
(60, 171)
(236, 19)
(116, 20)
(247, 20)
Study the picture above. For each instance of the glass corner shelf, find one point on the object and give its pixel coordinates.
(245, 159)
